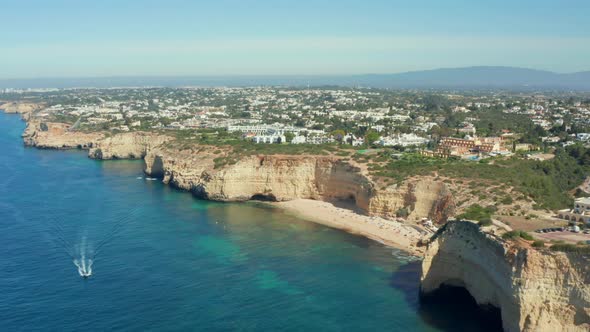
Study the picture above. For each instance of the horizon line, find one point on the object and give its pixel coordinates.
(283, 75)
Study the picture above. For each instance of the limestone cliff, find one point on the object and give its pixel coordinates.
(271, 177)
(423, 197)
(133, 145)
(281, 178)
(50, 135)
(536, 290)
(20, 107)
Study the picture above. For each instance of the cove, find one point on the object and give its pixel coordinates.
(179, 263)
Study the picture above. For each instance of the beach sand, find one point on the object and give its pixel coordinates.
(338, 215)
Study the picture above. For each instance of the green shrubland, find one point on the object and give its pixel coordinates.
(512, 235)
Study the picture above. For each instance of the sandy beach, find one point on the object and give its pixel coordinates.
(385, 231)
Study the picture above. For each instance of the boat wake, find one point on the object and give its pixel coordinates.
(84, 267)
(84, 253)
(83, 263)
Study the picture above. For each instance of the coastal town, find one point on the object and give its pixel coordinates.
(444, 125)
(382, 128)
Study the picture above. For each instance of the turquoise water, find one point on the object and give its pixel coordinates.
(172, 262)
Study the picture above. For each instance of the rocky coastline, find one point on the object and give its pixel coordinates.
(536, 290)
(271, 178)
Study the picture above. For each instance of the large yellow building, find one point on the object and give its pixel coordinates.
(450, 146)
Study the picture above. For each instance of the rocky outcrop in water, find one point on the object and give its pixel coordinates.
(536, 290)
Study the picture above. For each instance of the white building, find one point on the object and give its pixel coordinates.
(299, 139)
(582, 205)
(552, 139)
(468, 129)
(580, 212)
(353, 140)
(358, 141)
(269, 139)
(264, 129)
(403, 140)
(378, 128)
(319, 139)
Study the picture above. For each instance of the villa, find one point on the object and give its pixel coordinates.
(580, 212)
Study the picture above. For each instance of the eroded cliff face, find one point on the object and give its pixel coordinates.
(281, 178)
(423, 197)
(535, 290)
(48, 135)
(134, 145)
(20, 107)
(270, 177)
(274, 177)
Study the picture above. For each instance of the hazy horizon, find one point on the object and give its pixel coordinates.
(278, 75)
(73, 39)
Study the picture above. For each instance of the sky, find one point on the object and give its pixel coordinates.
(84, 38)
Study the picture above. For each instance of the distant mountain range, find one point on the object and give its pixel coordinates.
(449, 78)
(481, 77)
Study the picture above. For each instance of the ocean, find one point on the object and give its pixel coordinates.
(165, 261)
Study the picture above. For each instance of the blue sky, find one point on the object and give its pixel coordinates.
(75, 38)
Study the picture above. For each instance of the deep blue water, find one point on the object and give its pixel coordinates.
(178, 263)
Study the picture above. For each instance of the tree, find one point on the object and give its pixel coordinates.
(338, 135)
(289, 137)
(152, 106)
(300, 123)
(438, 131)
(371, 137)
(222, 134)
(534, 135)
(435, 102)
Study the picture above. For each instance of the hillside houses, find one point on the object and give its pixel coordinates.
(451, 146)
